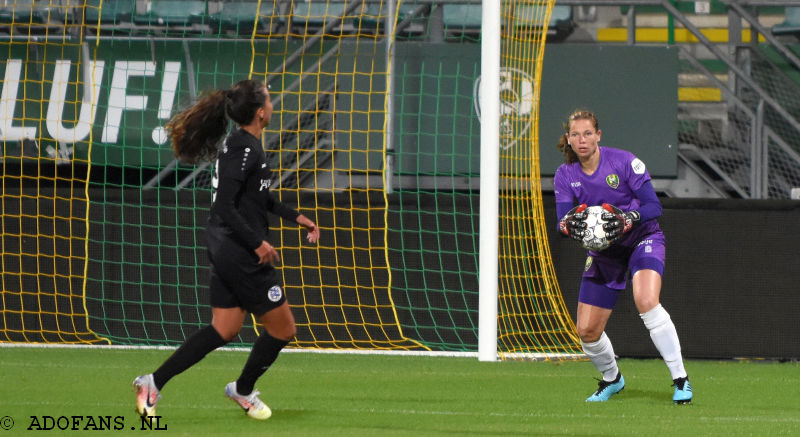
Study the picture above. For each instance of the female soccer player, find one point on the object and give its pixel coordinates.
(242, 278)
(618, 180)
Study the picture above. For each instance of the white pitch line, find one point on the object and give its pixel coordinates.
(528, 356)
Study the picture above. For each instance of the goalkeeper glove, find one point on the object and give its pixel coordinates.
(573, 223)
(618, 222)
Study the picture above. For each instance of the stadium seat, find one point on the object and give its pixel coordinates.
(239, 17)
(467, 18)
(173, 13)
(114, 12)
(560, 26)
(462, 18)
(462, 21)
(319, 14)
(23, 12)
(791, 26)
(374, 17)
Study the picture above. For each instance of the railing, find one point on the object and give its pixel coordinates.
(752, 150)
(755, 151)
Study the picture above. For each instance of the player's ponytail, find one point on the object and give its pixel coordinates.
(197, 130)
(563, 146)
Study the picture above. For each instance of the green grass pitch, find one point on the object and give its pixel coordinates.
(376, 395)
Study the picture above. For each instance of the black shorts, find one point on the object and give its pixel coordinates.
(237, 279)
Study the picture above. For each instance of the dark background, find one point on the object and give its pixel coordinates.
(730, 283)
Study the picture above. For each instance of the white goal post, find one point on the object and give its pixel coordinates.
(489, 184)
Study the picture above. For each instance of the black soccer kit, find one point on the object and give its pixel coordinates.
(238, 224)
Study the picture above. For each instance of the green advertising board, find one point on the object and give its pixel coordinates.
(633, 90)
(437, 130)
(140, 84)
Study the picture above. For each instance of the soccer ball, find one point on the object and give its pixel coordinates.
(594, 236)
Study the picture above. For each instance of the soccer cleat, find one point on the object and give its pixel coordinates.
(251, 404)
(605, 389)
(683, 391)
(147, 395)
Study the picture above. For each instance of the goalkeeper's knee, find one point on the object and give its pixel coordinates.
(655, 318)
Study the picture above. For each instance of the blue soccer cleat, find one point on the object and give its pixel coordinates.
(683, 391)
(606, 389)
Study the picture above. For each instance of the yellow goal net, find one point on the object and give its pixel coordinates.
(375, 136)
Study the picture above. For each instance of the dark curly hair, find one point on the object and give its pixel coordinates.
(563, 144)
(197, 130)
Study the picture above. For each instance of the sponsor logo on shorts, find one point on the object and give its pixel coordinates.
(589, 260)
(612, 180)
(275, 293)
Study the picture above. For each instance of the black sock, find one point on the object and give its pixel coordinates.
(194, 349)
(264, 352)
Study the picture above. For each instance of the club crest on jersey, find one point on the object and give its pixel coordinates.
(275, 293)
(612, 180)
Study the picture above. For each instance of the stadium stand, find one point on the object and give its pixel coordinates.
(240, 17)
(310, 15)
(791, 25)
(113, 13)
(561, 24)
(374, 16)
(462, 16)
(653, 22)
(461, 19)
(28, 12)
(172, 13)
(655, 25)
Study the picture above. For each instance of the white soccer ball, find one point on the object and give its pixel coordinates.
(594, 236)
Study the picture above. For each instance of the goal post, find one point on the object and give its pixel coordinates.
(522, 311)
(490, 175)
(376, 135)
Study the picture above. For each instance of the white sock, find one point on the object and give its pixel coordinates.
(664, 336)
(602, 355)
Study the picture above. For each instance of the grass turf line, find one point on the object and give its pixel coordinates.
(317, 394)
